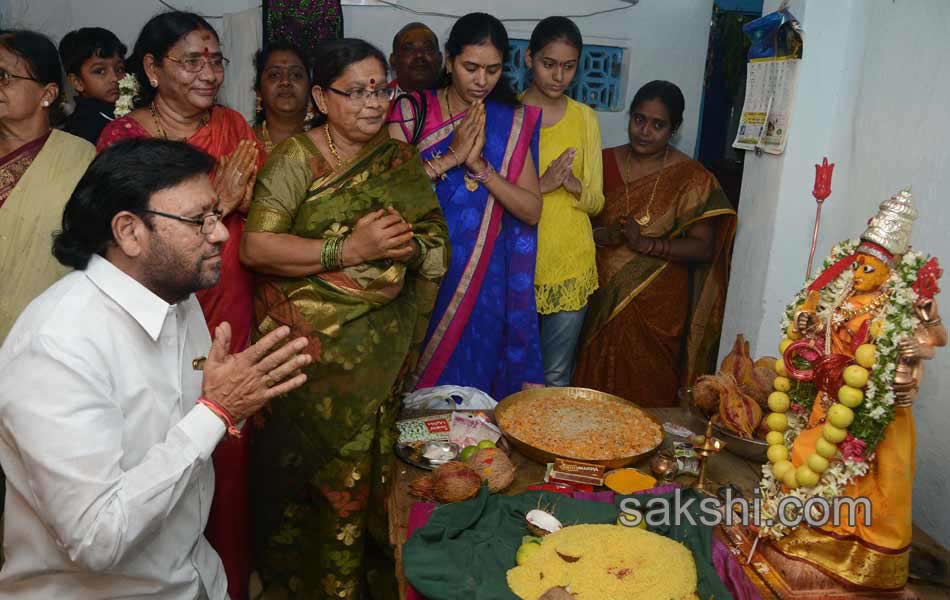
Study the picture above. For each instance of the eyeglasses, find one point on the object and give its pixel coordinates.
(207, 222)
(6, 77)
(361, 97)
(195, 64)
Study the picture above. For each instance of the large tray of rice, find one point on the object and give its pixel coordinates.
(607, 562)
(577, 423)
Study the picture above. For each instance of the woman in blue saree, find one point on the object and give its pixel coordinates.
(480, 145)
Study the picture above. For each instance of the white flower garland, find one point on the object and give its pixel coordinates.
(128, 90)
(876, 412)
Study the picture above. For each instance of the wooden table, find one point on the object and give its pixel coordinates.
(721, 469)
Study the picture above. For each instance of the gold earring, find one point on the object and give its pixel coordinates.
(258, 107)
(154, 82)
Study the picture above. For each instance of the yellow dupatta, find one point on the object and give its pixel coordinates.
(30, 216)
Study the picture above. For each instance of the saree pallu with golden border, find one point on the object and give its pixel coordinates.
(484, 329)
(321, 457)
(654, 325)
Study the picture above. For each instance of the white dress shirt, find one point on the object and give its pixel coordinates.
(106, 454)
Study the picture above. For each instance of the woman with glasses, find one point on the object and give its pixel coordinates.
(39, 167)
(283, 93)
(179, 68)
(350, 244)
(480, 145)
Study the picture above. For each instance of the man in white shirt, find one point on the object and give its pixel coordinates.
(107, 422)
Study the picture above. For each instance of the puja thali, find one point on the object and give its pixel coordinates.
(578, 424)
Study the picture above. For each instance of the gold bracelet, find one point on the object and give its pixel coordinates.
(458, 163)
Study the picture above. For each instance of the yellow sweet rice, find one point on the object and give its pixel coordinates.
(615, 563)
(595, 429)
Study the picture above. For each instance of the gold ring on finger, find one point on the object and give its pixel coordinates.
(268, 382)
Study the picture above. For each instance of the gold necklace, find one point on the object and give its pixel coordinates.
(268, 143)
(332, 146)
(844, 315)
(643, 220)
(158, 121)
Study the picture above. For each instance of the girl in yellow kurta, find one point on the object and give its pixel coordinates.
(570, 160)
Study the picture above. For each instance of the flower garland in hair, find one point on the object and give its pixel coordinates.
(896, 323)
(128, 90)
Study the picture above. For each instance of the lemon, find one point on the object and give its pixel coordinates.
(467, 453)
(856, 376)
(779, 402)
(825, 448)
(840, 415)
(780, 367)
(782, 384)
(833, 434)
(790, 479)
(777, 422)
(866, 355)
(775, 437)
(792, 333)
(876, 329)
(785, 344)
(849, 396)
(526, 551)
(777, 453)
(780, 469)
(486, 444)
(806, 477)
(817, 463)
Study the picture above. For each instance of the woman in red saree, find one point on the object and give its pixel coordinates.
(665, 236)
(178, 63)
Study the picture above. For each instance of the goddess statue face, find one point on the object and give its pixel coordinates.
(870, 273)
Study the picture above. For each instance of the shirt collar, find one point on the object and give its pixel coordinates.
(142, 305)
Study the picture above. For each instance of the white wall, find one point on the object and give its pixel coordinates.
(667, 39)
(871, 97)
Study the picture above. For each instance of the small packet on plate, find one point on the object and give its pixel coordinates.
(686, 458)
(468, 429)
(424, 429)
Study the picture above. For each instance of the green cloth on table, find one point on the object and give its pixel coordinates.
(466, 548)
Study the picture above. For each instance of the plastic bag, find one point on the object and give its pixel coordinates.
(449, 397)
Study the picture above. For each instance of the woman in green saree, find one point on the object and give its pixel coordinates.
(347, 234)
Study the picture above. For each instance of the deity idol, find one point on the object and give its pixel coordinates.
(841, 422)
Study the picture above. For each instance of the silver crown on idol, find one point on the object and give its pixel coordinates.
(888, 232)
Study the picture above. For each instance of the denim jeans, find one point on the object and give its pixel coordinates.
(559, 334)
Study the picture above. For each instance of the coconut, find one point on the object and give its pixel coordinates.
(541, 523)
(495, 468)
(451, 482)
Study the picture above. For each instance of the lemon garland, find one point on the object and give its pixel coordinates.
(865, 405)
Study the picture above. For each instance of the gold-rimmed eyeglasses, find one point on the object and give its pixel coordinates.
(361, 97)
(195, 64)
(206, 222)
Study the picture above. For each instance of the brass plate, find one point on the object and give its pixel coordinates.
(522, 401)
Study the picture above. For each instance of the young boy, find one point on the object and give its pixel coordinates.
(94, 61)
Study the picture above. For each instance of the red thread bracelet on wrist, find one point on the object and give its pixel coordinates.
(223, 414)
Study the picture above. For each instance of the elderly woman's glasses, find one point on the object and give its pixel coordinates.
(6, 77)
(361, 97)
(207, 221)
(195, 64)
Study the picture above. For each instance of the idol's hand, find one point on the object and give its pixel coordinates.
(242, 383)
